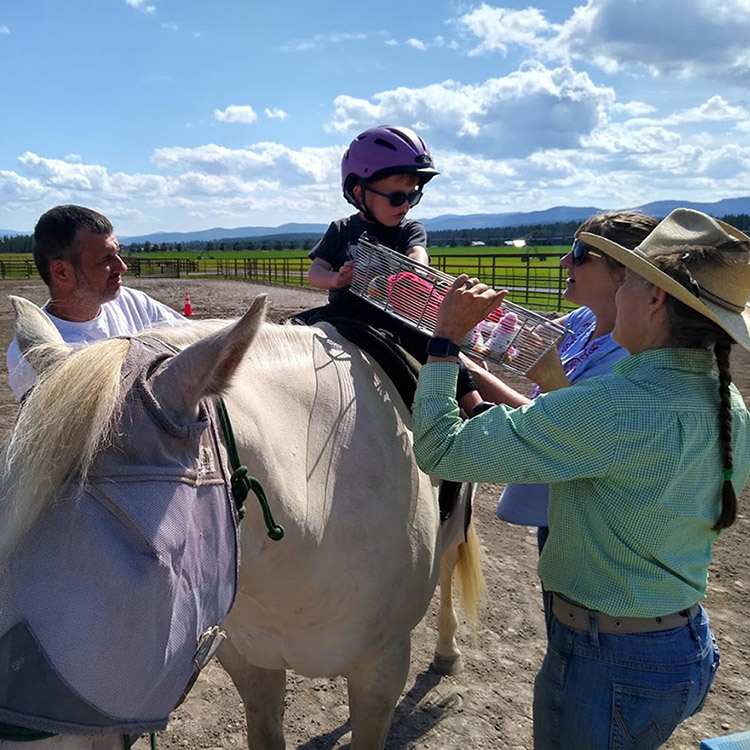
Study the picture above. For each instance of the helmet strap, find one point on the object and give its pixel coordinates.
(363, 204)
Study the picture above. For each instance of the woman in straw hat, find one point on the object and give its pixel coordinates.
(585, 351)
(644, 465)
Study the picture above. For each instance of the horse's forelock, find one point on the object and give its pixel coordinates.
(65, 420)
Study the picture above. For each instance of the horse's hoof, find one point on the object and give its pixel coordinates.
(447, 665)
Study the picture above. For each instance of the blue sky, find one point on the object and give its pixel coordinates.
(178, 115)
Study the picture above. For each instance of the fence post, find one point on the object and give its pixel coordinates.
(528, 277)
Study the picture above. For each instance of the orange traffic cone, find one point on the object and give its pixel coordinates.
(188, 307)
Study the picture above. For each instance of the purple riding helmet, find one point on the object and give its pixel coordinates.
(383, 151)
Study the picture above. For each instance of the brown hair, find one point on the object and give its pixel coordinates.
(626, 228)
(55, 235)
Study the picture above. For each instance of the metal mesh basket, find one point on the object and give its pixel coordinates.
(510, 336)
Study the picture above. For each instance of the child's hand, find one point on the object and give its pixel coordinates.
(344, 276)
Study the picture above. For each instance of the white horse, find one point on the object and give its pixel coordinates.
(323, 430)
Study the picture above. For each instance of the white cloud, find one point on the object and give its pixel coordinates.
(497, 28)
(171, 26)
(633, 109)
(236, 113)
(269, 161)
(319, 41)
(416, 44)
(142, 6)
(532, 108)
(209, 181)
(624, 138)
(4, 30)
(276, 114)
(17, 189)
(422, 46)
(715, 109)
(685, 38)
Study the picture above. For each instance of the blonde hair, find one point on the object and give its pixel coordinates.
(66, 419)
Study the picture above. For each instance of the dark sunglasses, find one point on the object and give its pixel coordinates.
(397, 199)
(580, 252)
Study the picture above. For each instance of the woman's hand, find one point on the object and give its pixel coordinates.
(466, 303)
(548, 372)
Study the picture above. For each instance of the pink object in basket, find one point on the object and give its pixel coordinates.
(411, 296)
(493, 334)
(503, 333)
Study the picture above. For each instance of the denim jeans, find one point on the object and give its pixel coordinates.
(601, 691)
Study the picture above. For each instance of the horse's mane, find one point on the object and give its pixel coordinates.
(71, 414)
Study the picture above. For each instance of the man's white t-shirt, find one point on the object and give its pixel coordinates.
(131, 312)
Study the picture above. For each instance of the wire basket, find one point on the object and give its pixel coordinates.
(510, 336)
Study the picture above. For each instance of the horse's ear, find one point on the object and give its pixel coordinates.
(206, 367)
(38, 339)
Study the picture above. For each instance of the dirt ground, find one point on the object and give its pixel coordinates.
(489, 704)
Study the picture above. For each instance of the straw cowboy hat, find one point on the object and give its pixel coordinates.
(720, 292)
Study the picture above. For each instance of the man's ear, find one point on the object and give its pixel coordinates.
(357, 193)
(61, 272)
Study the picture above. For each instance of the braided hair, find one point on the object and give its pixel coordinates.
(688, 328)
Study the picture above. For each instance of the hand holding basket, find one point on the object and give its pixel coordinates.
(510, 336)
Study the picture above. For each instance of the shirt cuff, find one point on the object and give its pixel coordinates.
(438, 378)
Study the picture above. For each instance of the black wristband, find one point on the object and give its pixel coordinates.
(438, 346)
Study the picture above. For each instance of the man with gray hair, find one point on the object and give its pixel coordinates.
(78, 257)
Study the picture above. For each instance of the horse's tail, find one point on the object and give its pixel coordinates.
(469, 576)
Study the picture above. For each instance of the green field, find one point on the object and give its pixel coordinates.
(532, 274)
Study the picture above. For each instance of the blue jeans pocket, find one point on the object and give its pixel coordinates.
(644, 717)
(715, 662)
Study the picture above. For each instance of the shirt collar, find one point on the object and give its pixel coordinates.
(667, 357)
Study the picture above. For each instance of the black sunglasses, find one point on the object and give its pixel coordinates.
(397, 198)
(580, 252)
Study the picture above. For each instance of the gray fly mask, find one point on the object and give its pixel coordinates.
(104, 602)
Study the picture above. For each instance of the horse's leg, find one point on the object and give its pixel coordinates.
(262, 692)
(375, 684)
(447, 658)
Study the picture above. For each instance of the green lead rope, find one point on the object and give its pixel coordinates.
(241, 481)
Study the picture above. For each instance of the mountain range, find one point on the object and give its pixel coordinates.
(457, 222)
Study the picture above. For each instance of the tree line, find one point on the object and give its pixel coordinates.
(556, 233)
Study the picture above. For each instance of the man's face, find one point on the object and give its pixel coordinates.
(99, 268)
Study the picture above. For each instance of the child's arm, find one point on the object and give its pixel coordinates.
(321, 274)
(418, 253)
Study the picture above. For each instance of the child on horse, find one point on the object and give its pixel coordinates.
(383, 173)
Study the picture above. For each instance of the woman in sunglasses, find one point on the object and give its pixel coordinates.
(383, 173)
(586, 350)
(644, 466)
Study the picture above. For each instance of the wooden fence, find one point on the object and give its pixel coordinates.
(533, 281)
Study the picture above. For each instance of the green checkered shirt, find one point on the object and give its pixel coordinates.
(633, 464)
